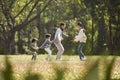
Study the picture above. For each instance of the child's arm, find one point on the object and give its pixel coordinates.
(51, 42)
(35, 47)
(43, 45)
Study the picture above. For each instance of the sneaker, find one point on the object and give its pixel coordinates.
(83, 59)
(46, 58)
(58, 59)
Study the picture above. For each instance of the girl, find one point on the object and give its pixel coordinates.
(81, 37)
(34, 48)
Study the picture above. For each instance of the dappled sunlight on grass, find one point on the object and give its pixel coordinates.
(71, 67)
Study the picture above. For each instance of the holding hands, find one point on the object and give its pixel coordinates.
(75, 39)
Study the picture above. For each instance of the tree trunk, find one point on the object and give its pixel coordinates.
(9, 43)
(92, 36)
(110, 37)
(11, 46)
(39, 25)
(19, 43)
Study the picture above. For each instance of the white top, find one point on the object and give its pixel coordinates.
(58, 35)
(81, 36)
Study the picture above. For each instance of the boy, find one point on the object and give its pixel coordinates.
(34, 48)
(46, 46)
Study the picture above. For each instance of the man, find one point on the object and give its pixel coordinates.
(58, 38)
(81, 37)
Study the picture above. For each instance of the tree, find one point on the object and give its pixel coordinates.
(114, 24)
(9, 24)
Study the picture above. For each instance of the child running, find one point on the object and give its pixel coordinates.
(34, 48)
(46, 46)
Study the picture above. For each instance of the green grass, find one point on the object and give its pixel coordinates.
(70, 68)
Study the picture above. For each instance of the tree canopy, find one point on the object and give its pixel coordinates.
(22, 20)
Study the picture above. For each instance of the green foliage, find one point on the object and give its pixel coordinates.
(29, 75)
(109, 69)
(32, 76)
(34, 18)
(2, 50)
(93, 72)
(7, 73)
(59, 73)
(97, 68)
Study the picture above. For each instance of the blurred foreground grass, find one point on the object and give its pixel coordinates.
(20, 67)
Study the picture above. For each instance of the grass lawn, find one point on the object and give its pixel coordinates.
(71, 67)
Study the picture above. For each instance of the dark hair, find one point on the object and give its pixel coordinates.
(34, 39)
(48, 35)
(79, 24)
(62, 24)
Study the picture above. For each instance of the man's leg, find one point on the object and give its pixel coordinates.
(60, 50)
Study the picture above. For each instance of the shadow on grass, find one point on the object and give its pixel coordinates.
(29, 75)
(109, 69)
(59, 73)
(33, 76)
(7, 73)
(91, 74)
(93, 70)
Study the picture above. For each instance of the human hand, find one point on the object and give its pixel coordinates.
(75, 39)
(62, 38)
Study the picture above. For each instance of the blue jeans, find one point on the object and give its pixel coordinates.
(81, 54)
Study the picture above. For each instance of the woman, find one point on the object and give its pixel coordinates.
(81, 37)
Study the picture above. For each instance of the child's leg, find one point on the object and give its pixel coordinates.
(32, 57)
(34, 54)
(49, 53)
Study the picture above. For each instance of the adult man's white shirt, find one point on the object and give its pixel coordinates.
(58, 38)
(58, 35)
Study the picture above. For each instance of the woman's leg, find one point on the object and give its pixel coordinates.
(81, 54)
